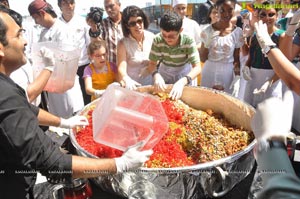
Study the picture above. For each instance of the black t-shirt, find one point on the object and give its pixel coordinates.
(24, 147)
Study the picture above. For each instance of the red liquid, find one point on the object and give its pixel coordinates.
(83, 191)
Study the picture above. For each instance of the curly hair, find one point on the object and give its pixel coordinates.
(170, 21)
(132, 11)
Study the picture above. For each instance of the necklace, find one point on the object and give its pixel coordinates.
(139, 42)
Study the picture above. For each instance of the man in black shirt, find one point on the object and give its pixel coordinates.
(24, 147)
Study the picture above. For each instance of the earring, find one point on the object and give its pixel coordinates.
(92, 61)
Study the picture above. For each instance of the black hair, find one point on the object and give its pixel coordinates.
(220, 2)
(170, 21)
(69, 1)
(132, 11)
(49, 9)
(209, 12)
(3, 26)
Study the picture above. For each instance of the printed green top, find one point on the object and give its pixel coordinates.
(174, 56)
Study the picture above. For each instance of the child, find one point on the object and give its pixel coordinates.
(98, 74)
(177, 54)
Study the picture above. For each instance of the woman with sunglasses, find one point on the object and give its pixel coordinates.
(220, 50)
(262, 81)
(133, 50)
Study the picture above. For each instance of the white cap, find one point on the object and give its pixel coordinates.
(176, 2)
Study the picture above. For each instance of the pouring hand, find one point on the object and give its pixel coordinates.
(132, 158)
(77, 120)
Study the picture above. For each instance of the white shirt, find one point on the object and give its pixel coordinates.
(23, 77)
(71, 101)
(192, 29)
(56, 33)
(78, 33)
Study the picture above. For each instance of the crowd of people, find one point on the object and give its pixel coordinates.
(255, 64)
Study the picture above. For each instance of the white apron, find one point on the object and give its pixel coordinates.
(173, 74)
(259, 77)
(217, 73)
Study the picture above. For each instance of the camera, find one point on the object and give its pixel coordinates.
(95, 14)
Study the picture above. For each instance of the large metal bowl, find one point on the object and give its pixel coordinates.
(205, 180)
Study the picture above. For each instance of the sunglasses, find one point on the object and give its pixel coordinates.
(133, 23)
(262, 15)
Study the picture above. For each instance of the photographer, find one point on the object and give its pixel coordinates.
(109, 29)
(95, 15)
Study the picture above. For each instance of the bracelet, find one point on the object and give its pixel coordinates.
(154, 73)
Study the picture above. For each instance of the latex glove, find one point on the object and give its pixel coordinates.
(273, 117)
(98, 93)
(130, 83)
(48, 58)
(246, 73)
(132, 158)
(177, 89)
(74, 121)
(294, 24)
(235, 85)
(264, 87)
(262, 35)
(159, 83)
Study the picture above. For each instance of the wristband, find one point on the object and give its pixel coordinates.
(154, 73)
(189, 79)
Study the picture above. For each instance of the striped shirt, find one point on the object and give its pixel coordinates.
(111, 33)
(174, 56)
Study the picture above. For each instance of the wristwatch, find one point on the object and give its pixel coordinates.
(267, 49)
(189, 79)
(267, 144)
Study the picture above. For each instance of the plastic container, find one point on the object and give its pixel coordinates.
(123, 118)
(66, 65)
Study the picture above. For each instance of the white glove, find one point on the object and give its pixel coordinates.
(159, 83)
(235, 85)
(177, 89)
(246, 73)
(262, 35)
(98, 93)
(130, 83)
(264, 87)
(132, 158)
(48, 58)
(273, 117)
(74, 121)
(294, 24)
